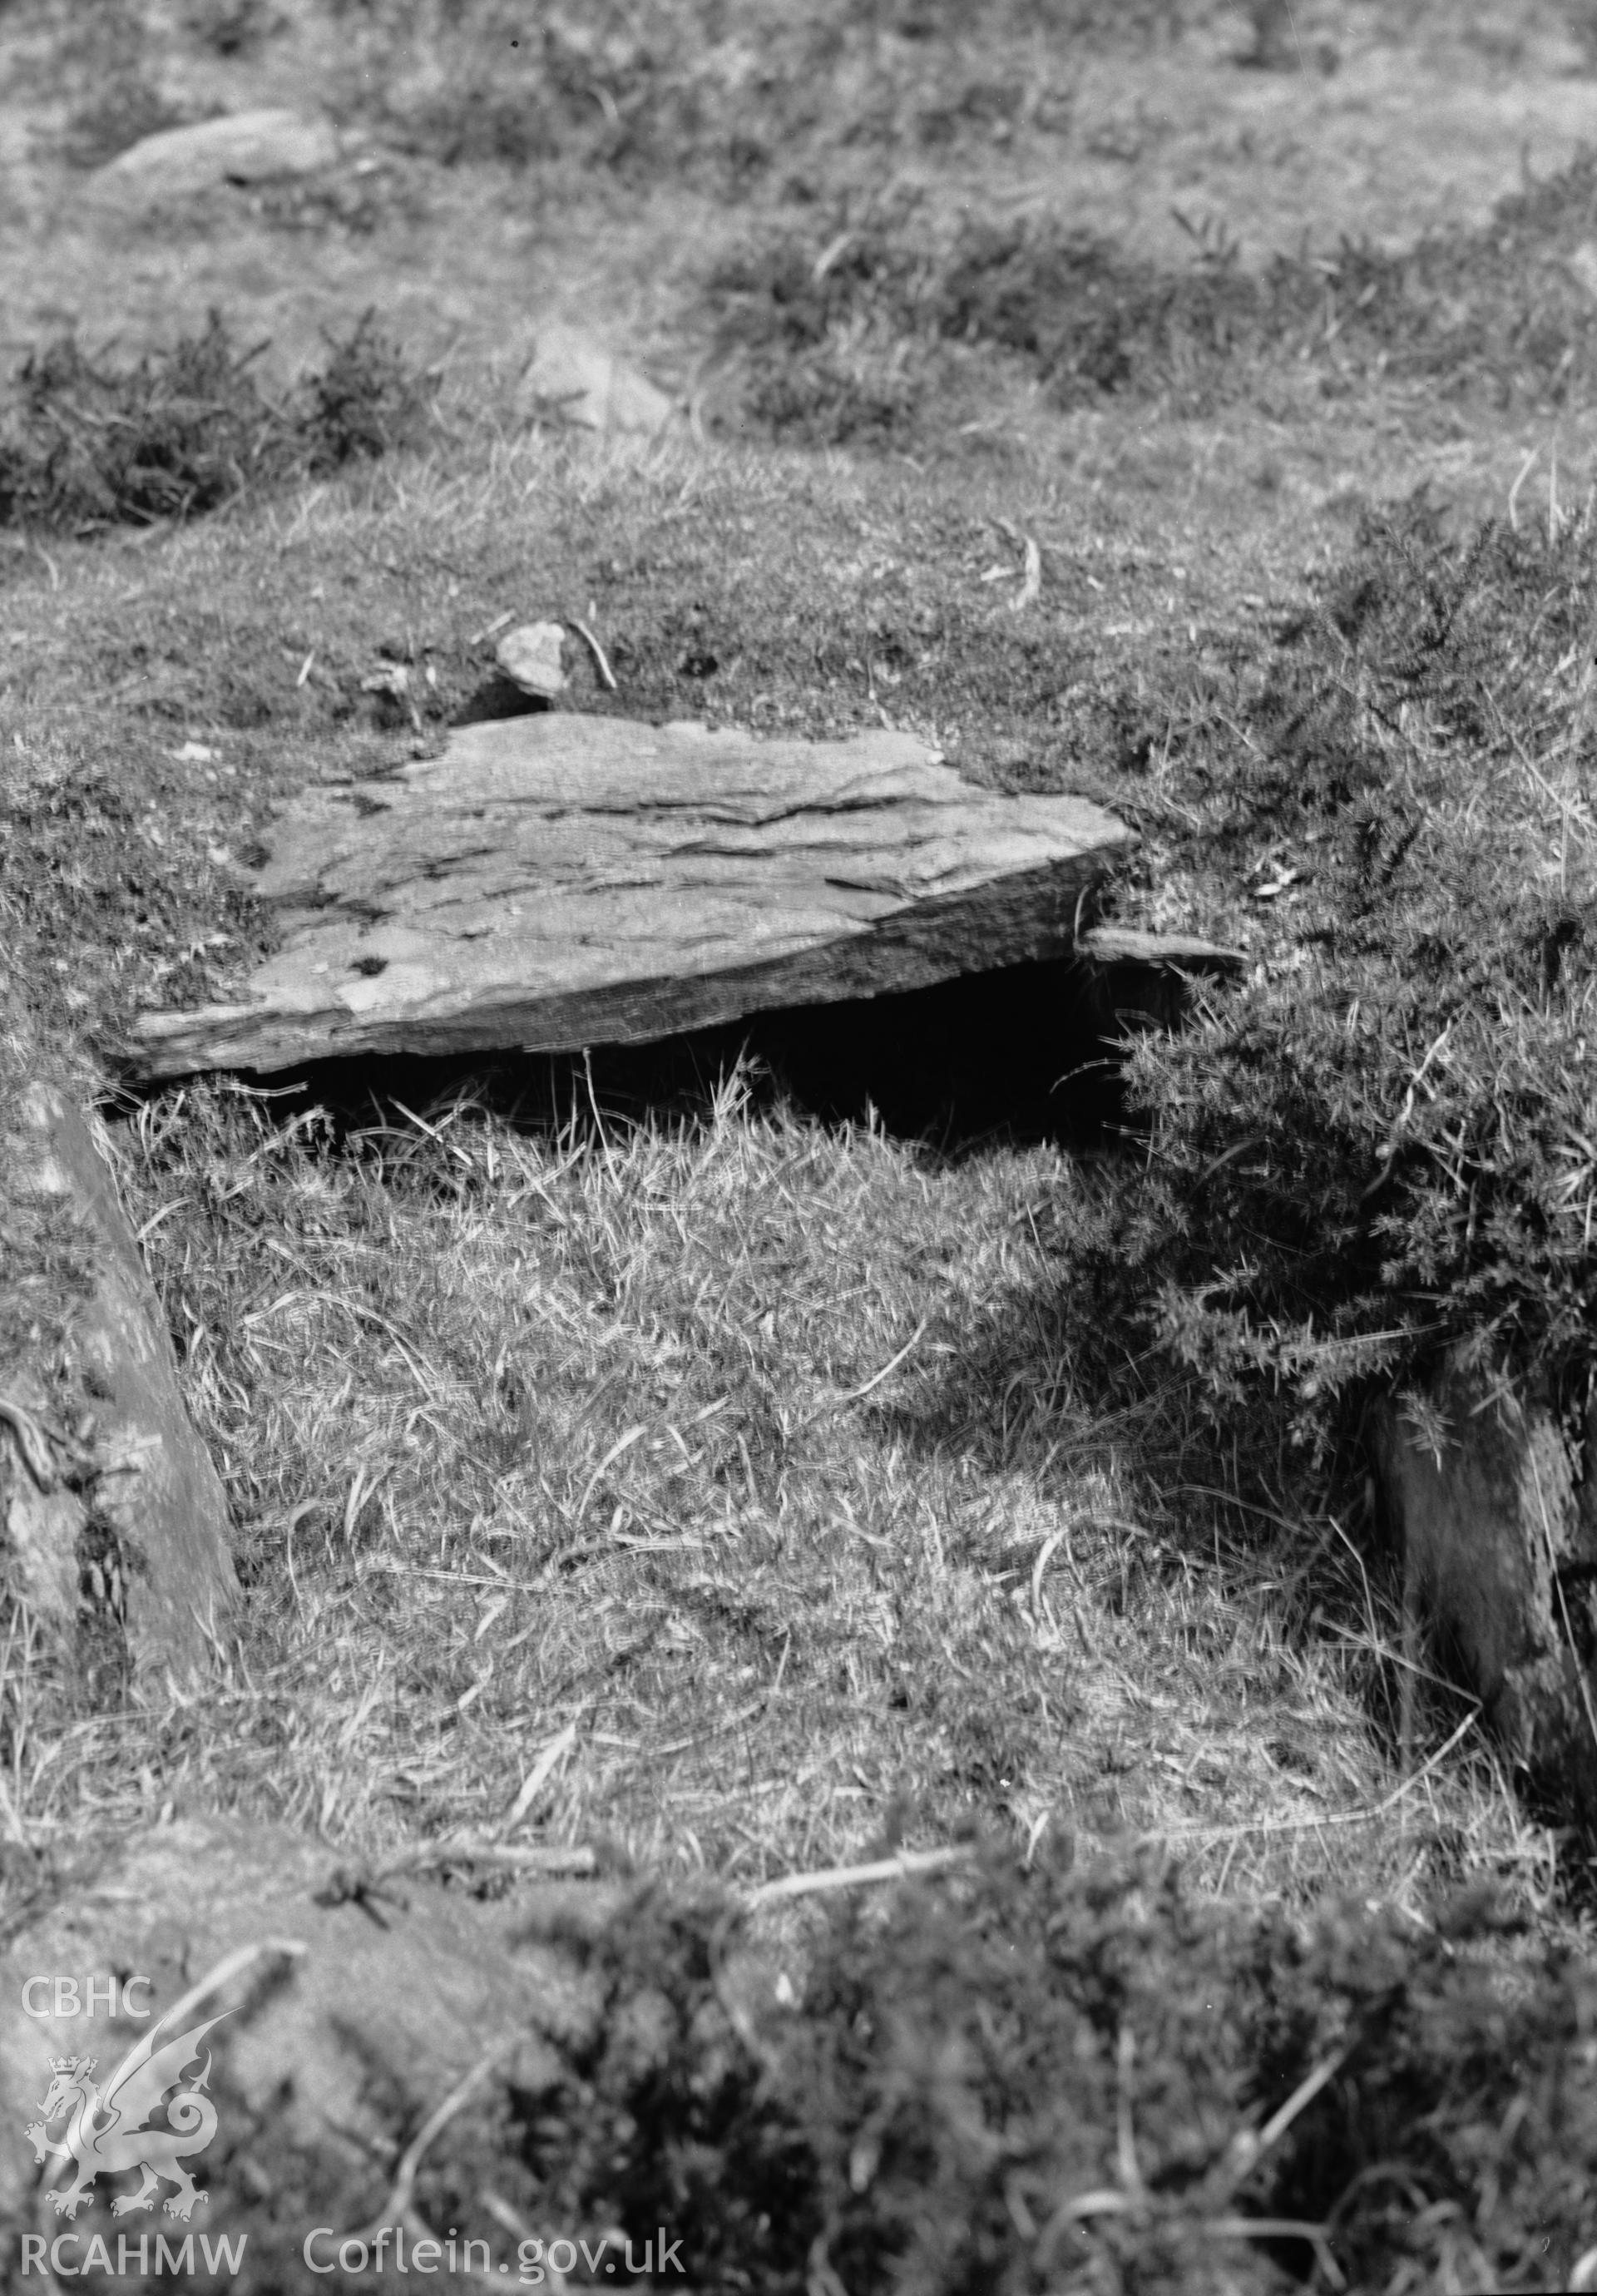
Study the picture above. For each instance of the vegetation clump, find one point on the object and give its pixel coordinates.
(1379, 1147)
(1024, 2080)
(1499, 311)
(88, 442)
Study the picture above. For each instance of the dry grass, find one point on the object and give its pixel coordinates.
(650, 1460)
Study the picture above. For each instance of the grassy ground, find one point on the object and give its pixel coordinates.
(662, 1470)
(416, 1332)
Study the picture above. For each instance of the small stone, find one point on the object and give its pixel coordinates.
(389, 683)
(244, 147)
(1580, 263)
(530, 657)
(573, 379)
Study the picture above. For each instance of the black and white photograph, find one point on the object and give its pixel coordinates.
(798, 1146)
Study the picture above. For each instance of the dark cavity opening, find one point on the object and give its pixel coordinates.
(1027, 1054)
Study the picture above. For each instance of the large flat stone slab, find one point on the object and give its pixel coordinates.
(555, 881)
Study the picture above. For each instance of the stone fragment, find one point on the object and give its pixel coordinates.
(1182, 952)
(1144, 980)
(244, 147)
(573, 379)
(341, 2013)
(556, 880)
(390, 688)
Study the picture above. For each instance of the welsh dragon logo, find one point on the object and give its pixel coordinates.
(109, 2134)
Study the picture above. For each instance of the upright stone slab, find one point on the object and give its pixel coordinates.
(104, 1472)
(560, 881)
(1499, 1546)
